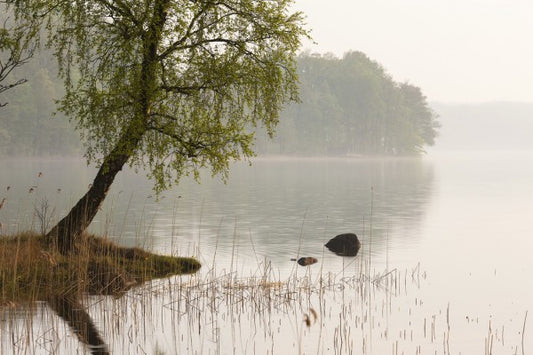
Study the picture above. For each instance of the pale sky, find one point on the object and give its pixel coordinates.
(454, 50)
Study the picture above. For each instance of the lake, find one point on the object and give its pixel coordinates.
(444, 266)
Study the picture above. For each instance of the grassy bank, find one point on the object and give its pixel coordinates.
(30, 270)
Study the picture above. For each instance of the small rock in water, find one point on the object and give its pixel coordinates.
(346, 244)
(308, 260)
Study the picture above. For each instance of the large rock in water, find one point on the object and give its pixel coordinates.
(346, 244)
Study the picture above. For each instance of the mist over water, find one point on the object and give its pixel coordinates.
(461, 220)
(453, 226)
(297, 203)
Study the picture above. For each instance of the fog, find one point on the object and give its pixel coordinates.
(503, 126)
(437, 234)
(456, 51)
(469, 58)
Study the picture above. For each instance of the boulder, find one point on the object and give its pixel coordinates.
(346, 244)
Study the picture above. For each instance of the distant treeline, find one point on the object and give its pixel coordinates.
(348, 106)
(352, 106)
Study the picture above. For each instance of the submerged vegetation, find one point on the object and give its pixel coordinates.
(32, 271)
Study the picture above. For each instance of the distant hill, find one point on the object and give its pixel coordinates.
(484, 126)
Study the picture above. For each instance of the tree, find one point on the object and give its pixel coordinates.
(167, 84)
(351, 105)
(422, 118)
(16, 48)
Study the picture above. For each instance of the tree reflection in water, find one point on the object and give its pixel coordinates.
(80, 322)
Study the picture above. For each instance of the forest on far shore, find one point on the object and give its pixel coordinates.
(349, 105)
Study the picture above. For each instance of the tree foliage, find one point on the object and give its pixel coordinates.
(186, 76)
(352, 106)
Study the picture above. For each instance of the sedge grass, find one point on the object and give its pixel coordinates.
(325, 313)
(30, 270)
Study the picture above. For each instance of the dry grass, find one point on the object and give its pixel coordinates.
(32, 271)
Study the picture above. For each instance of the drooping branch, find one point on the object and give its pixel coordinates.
(15, 60)
(190, 148)
(9, 86)
(16, 49)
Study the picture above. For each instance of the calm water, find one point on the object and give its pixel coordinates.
(455, 230)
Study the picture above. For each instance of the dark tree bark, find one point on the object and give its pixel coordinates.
(69, 230)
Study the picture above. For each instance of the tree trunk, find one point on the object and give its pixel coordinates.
(70, 228)
(67, 232)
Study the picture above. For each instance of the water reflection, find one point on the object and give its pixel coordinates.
(34, 328)
(276, 209)
(80, 322)
(286, 208)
